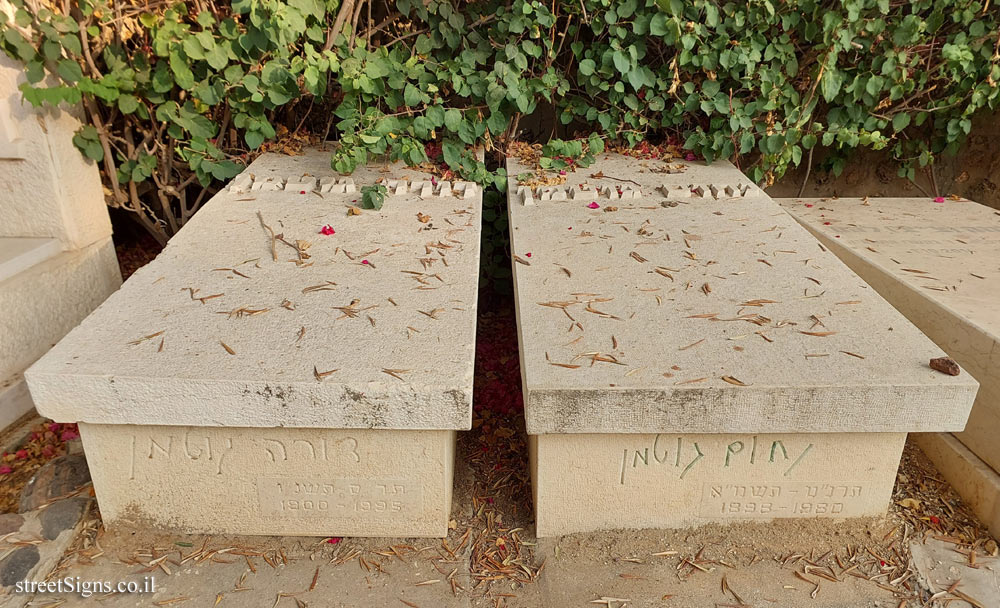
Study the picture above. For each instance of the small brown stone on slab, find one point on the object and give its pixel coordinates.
(945, 365)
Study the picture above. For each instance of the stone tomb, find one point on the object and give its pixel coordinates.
(262, 377)
(938, 263)
(690, 354)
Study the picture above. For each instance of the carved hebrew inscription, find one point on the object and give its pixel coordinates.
(317, 497)
(212, 450)
(187, 445)
(679, 456)
(783, 499)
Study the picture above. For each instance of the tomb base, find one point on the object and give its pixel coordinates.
(589, 482)
(973, 479)
(273, 481)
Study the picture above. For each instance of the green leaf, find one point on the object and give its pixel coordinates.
(88, 141)
(900, 121)
(69, 70)
(183, 75)
(128, 104)
(412, 96)
(587, 67)
(452, 119)
(373, 197)
(830, 84)
(254, 139)
(621, 61)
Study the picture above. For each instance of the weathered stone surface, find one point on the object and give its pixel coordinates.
(216, 332)
(28, 326)
(56, 478)
(16, 566)
(587, 482)
(714, 316)
(938, 264)
(311, 482)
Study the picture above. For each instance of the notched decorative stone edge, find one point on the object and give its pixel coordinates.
(427, 189)
(528, 195)
(345, 185)
(576, 193)
(248, 182)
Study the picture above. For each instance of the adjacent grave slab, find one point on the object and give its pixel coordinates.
(717, 315)
(663, 304)
(278, 306)
(973, 479)
(938, 264)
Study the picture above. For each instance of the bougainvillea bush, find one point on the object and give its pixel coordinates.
(178, 95)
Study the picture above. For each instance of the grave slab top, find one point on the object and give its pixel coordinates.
(691, 302)
(372, 326)
(948, 251)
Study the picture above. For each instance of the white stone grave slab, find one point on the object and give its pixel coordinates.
(939, 264)
(708, 314)
(367, 333)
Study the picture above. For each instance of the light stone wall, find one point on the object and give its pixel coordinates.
(50, 189)
(301, 482)
(589, 482)
(39, 305)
